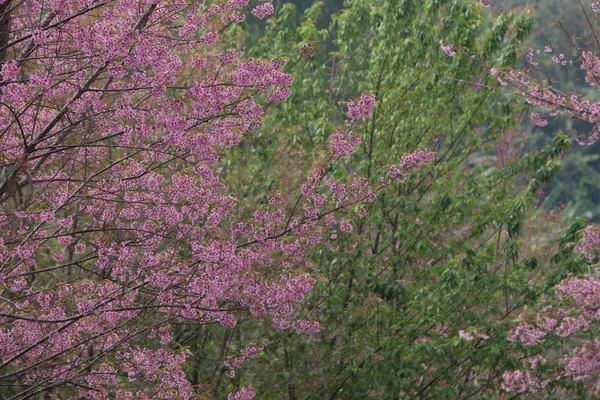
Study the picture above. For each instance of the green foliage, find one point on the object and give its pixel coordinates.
(458, 246)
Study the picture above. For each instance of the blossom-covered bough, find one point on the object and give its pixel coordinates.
(114, 223)
(572, 323)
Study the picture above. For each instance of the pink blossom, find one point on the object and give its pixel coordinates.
(447, 49)
(362, 108)
(519, 382)
(263, 10)
(10, 70)
(243, 394)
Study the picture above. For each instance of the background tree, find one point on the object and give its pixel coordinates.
(416, 298)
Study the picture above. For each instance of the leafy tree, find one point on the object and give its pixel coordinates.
(417, 299)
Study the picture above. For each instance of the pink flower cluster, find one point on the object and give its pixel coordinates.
(361, 109)
(447, 49)
(465, 335)
(410, 162)
(537, 120)
(519, 382)
(242, 394)
(304, 326)
(470, 336)
(526, 334)
(590, 242)
(250, 352)
(263, 10)
(578, 311)
(343, 146)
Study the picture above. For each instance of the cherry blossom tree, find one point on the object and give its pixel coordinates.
(115, 225)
